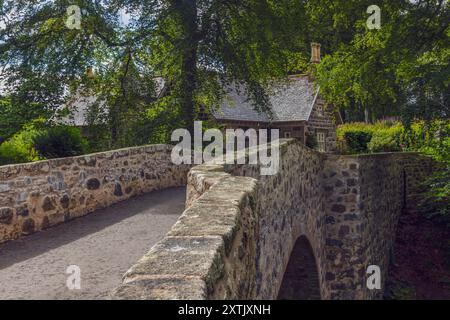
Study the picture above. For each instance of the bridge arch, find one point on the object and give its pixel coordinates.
(301, 278)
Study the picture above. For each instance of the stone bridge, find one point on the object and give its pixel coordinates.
(309, 232)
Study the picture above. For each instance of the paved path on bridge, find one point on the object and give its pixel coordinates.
(103, 244)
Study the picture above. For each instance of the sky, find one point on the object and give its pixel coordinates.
(2, 25)
(124, 17)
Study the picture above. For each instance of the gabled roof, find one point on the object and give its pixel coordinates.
(237, 106)
(292, 101)
(78, 108)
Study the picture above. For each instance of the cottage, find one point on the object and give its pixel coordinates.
(297, 111)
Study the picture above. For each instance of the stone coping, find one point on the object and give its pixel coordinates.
(190, 259)
(38, 195)
(104, 154)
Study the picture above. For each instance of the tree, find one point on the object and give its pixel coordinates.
(401, 69)
(196, 46)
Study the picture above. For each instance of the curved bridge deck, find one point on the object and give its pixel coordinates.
(104, 245)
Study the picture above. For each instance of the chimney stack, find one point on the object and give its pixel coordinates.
(90, 73)
(315, 52)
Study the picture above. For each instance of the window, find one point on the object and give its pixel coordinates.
(287, 135)
(321, 141)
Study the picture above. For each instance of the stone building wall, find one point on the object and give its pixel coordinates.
(323, 121)
(39, 195)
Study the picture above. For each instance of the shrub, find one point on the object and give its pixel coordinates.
(386, 139)
(437, 198)
(383, 136)
(19, 148)
(11, 153)
(383, 143)
(357, 141)
(60, 142)
(431, 138)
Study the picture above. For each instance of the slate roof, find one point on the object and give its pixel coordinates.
(289, 102)
(78, 108)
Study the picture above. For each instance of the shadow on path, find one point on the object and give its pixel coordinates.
(106, 241)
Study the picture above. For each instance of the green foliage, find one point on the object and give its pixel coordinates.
(437, 198)
(401, 69)
(357, 141)
(19, 148)
(14, 115)
(386, 139)
(430, 138)
(383, 143)
(195, 46)
(59, 142)
(380, 137)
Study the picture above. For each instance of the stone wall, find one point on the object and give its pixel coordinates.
(323, 121)
(365, 197)
(235, 239)
(290, 205)
(39, 195)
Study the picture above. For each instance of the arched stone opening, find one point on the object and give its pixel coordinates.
(301, 278)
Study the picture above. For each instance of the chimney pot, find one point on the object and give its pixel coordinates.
(90, 72)
(315, 52)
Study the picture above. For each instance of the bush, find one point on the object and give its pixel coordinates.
(431, 138)
(11, 153)
(386, 139)
(361, 137)
(60, 142)
(437, 198)
(19, 148)
(354, 127)
(357, 141)
(383, 143)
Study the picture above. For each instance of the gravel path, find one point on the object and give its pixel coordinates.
(103, 244)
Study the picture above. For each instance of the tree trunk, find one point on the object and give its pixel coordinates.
(366, 115)
(187, 10)
(115, 124)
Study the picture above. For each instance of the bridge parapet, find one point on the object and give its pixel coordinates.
(235, 239)
(238, 235)
(35, 196)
